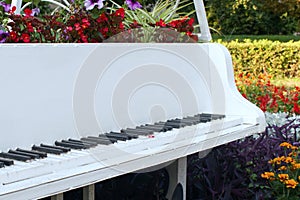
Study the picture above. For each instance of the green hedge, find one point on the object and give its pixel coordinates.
(279, 59)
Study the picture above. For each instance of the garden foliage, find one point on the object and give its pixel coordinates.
(254, 16)
(278, 59)
(233, 171)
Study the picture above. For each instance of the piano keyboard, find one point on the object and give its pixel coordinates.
(64, 146)
(20, 164)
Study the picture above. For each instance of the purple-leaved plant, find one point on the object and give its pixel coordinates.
(3, 36)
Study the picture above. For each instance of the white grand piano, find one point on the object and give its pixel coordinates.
(73, 115)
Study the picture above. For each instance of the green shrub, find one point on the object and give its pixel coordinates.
(279, 59)
(251, 17)
(241, 38)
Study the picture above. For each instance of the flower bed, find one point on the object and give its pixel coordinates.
(267, 96)
(233, 171)
(246, 169)
(93, 21)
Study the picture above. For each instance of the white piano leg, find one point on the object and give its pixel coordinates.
(177, 175)
(89, 192)
(58, 197)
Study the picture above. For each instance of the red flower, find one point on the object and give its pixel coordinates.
(120, 12)
(30, 28)
(77, 26)
(25, 37)
(69, 28)
(296, 108)
(13, 9)
(121, 26)
(190, 22)
(85, 23)
(244, 95)
(102, 18)
(295, 97)
(13, 35)
(161, 23)
(84, 38)
(27, 12)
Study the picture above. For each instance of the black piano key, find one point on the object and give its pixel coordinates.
(181, 122)
(87, 143)
(204, 119)
(47, 149)
(2, 164)
(191, 120)
(175, 124)
(130, 135)
(157, 127)
(41, 154)
(113, 140)
(97, 140)
(163, 124)
(7, 162)
(32, 156)
(145, 130)
(71, 145)
(187, 121)
(218, 116)
(15, 156)
(117, 136)
(138, 131)
(64, 149)
(152, 129)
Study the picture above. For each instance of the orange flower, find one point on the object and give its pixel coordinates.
(283, 177)
(277, 160)
(282, 168)
(289, 160)
(267, 175)
(296, 166)
(291, 183)
(292, 153)
(285, 144)
(294, 147)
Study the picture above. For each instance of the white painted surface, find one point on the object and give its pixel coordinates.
(51, 92)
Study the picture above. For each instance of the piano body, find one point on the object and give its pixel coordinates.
(73, 115)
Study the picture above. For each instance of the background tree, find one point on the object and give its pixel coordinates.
(253, 16)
